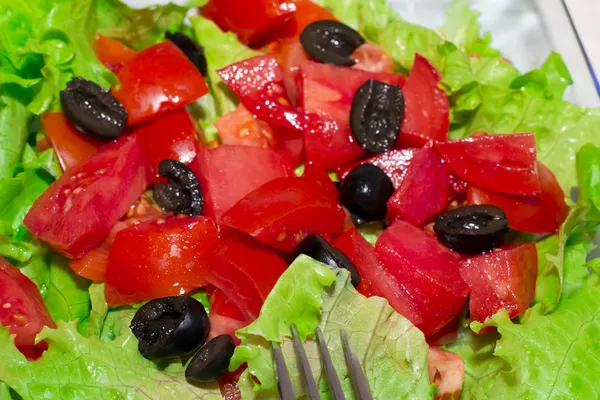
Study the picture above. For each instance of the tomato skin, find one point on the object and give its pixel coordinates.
(163, 257)
(541, 214)
(70, 145)
(428, 272)
(158, 79)
(306, 13)
(22, 309)
(228, 173)
(423, 192)
(426, 112)
(241, 127)
(501, 279)
(112, 53)
(394, 163)
(284, 211)
(503, 163)
(77, 211)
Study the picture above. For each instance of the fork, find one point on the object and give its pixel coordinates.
(284, 381)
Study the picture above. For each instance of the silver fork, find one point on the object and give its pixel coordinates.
(284, 381)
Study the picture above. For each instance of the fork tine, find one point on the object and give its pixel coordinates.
(332, 378)
(284, 382)
(359, 381)
(309, 379)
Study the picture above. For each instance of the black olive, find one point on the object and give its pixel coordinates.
(212, 360)
(182, 194)
(92, 109)
(472, 229)
(170, 327)
(193, 51)
(318, 248)
(365, 192)
(331, 42)
(376, 115)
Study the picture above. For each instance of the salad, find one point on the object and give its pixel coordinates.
(176, 193)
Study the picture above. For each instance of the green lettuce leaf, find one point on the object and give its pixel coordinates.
(309, 294)
(14, 129)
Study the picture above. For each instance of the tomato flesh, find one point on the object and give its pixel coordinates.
(394, 163)
(544, 213)
(228, 173)
(241, 127)
(77, 211)
(372, 58)
(428, 272)
(22, 309)
(112, 53)
(164, 257)
(158, 79)
(503, 279)
(503, 163)
(225, 317)
(70, 145)
(284, 211)
(423, 192)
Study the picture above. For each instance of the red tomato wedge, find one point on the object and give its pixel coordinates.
(284, 211)
(544, 213)
(169, 136)
(164, 257)
(241, 127)
(291, 56)
(503, 163)
(228, 173)
(246, 271)
(292, 145)
(426, 112)
(394, 163)
(423, 192)
(22, 309)
(70, 145)
(112, 53)
(306, 13)
(158, 79)
(372, 58)
(258, 82)
(77, 211)
(428, 272)
(327, 91)
(503, 279)
(251, 21)
(225, 316)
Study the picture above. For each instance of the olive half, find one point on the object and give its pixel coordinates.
(318, 248)
(472, 229)
(331, 42)
(212, 360)
(365, 192)
(92, 109)
(193, 51)
(170, 327)
(182, 194)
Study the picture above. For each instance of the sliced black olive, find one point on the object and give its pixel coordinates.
(182, 194)
(92, 109)
(376, 115)
(365, 192)
(193, 51)
(331, 42)
(318, 248)
(212, 360)
(170, 327)
(472, 229)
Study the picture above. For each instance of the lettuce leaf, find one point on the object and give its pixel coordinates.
(309, 294)
(14, 129)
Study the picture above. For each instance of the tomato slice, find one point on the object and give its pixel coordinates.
(291, 56)
(327, 91)
(241, 127)
(169, 136)
(544, 213)
(77, 211)
(228, 173)
(112, 53)
(225, 317)
(158, 79)
(426, 112)
(70, 145)
(306, 13)
(246, 271)
(372, 58)
(394, 163)
(292, 144)
(428, 272)
(284, 211)
(503, 163)
(22, 309)
(250, 21)
(423, 192)
(171, 257)
(503, 279)
(258, 82)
